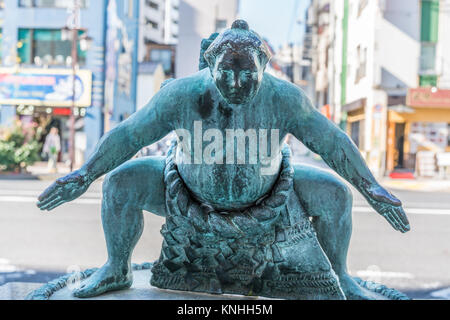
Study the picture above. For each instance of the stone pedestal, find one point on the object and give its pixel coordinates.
(17, 290)
(141, 290)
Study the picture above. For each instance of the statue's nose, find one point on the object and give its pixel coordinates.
(237, 83)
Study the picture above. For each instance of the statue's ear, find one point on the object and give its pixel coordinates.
(264, 58)
(206, 43)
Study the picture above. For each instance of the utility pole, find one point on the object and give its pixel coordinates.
(72, 111)
(73, 26)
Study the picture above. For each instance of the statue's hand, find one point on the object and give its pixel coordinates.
(63, 190)
(389, 207)
(204, 46)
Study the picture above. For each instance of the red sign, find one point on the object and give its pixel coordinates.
(427, 97)
(61, 111)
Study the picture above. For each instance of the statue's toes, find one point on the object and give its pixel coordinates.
(353, 291)
(90, 289)
(86, 292)
(98, 284)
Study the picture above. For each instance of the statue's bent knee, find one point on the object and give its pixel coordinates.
(343, 194)
(112, 181)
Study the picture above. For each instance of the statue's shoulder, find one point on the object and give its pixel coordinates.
(290, 100)
(282, 89)
(190, 86)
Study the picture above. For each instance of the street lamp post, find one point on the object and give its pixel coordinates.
(72, 109)
(71, 31)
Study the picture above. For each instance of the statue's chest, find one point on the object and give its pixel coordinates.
(252, 117)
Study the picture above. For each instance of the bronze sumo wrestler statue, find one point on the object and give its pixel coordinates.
(239, 217)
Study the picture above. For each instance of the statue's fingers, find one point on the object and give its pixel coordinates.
(402, 215)
(402, 218)
(391, 219)
(48, 199)
(51, 203)
(47, 192)
(56, 204)
(399, 225)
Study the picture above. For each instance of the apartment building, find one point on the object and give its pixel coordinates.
(386, 75)
(198, 20)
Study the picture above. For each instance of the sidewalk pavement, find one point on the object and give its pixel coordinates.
(41, 171)
(418, 184)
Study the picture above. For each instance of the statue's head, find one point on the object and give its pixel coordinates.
(237, 59)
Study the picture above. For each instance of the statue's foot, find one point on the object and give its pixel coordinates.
(107, 278)
(353, 291)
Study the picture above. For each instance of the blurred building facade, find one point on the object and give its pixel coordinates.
(381, 70)
(289, 58)
(36, 66)
(158, 22)
(307, 80)
(158, 33)
(33, 47)
(198, 20)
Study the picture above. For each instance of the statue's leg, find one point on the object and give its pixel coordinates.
(329, 201)
(132, 187)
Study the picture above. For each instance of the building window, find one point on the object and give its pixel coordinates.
(152, 5)
(164, 56)
(46, 47)
(151, 23)
(221, 25)
(50, 3)
(428, 58)
(362, 63)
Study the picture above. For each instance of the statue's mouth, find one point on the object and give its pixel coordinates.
(237, 98)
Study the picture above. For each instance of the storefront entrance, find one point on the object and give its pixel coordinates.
(399, 158)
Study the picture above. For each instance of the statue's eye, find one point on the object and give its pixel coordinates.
(227, 73)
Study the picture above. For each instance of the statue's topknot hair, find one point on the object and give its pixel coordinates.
(239, 38)
(240, 24)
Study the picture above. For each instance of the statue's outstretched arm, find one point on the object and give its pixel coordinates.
(143, 128)
(337, 149)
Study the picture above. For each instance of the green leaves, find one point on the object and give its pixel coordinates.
(16, 153)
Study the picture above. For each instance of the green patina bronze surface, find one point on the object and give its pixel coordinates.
(230, 228)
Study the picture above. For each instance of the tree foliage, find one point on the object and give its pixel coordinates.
(19, 147)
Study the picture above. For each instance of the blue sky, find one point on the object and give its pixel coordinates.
(275, 19)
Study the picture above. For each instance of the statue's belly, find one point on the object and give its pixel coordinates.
(227, 187)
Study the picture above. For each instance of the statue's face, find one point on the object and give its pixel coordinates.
(237, 76)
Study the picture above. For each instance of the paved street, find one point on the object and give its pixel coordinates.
(38, 247)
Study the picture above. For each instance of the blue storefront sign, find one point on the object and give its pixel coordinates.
(45, 87)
